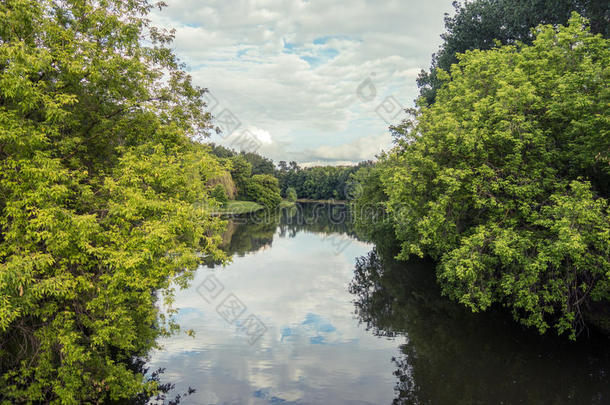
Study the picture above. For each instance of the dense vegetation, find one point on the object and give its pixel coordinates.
(368, 207)
(252, 176)
(504, 180)
(259, 163)
(99, 181)
(264, 189)
(480, 24)
(319, 182)
(106, 197)
(313, 183)
(291, 194)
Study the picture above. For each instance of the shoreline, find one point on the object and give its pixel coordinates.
(333, 202)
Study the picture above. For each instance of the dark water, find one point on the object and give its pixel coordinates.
(308, 314)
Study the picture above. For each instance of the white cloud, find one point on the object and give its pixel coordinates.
(289, 67)
(363, 148)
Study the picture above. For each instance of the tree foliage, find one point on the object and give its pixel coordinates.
(291, 194)
(479, 24)
(226, 181)
(264, 189)
(260, 164)
(504, 179)
(241, 172)
(368, 205)
(318, 182)
(99, 181)
(219, 194)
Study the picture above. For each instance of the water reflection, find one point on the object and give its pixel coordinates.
(290, 275)
(451, 356)
(344, 326)
(254, 232)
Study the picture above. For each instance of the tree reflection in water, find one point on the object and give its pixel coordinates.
(451, 356)
(250, 233)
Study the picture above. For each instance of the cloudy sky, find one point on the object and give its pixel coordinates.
(315, 81)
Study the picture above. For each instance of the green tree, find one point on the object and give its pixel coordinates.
(221, 151)
(318, 182)
(504, 179)
(99, 185)
(241, 172)
(260, 164)
(369, 201)
(478, 24)
(219, 194)
(264, 189)
(291, 194)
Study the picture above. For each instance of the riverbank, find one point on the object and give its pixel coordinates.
(310, 201)
(235, 207)
(240, 207)
(287, 204)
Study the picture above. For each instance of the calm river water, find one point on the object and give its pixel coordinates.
(308, 314)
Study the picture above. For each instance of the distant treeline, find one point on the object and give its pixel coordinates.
(317, 183)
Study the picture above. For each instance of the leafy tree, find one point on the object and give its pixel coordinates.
(221, 151)
(260, 164)
(291, 194)
(244, 165)
(368, 205)
(241, 172)
(478, 24)
(219, 194)
(99, 181)
(226, 181)
(504, 180)
(264, 189)
(319, 182)
(282, 166)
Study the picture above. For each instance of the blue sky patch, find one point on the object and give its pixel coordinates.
(288, 47)
(317, 340)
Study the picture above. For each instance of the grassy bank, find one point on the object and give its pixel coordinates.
(240, 207)
(307, 200)
(287, 204)
(234, 207)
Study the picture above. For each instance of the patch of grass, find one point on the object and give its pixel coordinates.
(287, 204)
(309, 200)
(234, 207)
(240, 207)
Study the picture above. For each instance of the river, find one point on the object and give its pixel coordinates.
(306, 313)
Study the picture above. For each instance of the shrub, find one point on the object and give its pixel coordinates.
(219, 194)
(291, 194)
(265, 190)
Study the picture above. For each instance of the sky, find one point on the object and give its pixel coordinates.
(314, 81)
